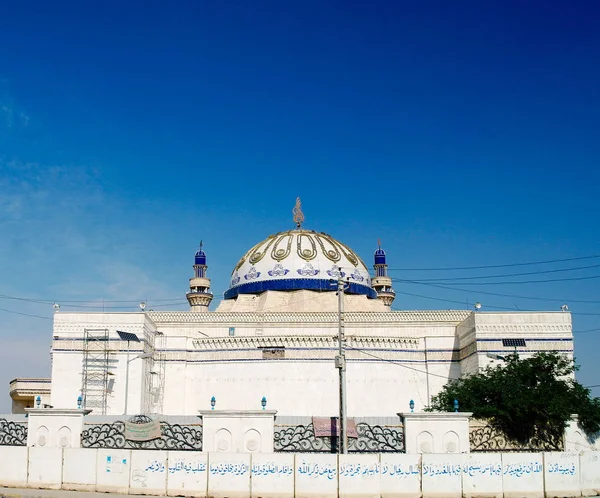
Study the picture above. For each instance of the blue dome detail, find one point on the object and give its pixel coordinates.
(380, 257)
(200, 256)
(297, 284)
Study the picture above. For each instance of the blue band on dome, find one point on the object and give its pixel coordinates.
(288, 284)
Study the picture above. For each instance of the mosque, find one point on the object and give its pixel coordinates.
(273, 341)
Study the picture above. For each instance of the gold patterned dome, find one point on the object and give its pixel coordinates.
(299, 259)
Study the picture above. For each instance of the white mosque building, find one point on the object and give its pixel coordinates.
(274, 339)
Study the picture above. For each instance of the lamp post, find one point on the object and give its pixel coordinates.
(340, 363)
(130, 337)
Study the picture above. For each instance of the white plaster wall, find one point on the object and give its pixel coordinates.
(359, 476)
(66, 379)
(523, 475)
(390, 475)
(67, 365)
(576, 440)
(188, 473)
(13, 465)
(316, 475)
(113, 471)
(238, 432)
(482, 475)
(436, 432)
(54, 428)
(400, 475)
(229, 475)
(590, 473)
(148, 473)
(441, 476)
(561, 475)
(44, 468)
(374, 389)
(79, 469)
(272, 475)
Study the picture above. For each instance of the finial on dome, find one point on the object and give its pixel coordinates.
(298, 214)
(378, 243)
(201, 244)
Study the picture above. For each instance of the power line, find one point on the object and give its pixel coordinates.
(503, 283)
(510, 274)
(25, 314)
(496, 266)
(586, 331)
(536, 298)
(398, 364)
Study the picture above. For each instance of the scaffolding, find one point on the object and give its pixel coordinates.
(154, 377)
(94, 385)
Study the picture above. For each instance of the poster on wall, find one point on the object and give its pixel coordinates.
(142, 432)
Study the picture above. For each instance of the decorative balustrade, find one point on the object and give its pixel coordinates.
(172, 436)
(487, 438)
(371, 439)
(13, 433)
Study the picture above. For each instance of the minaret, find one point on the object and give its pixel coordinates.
(199, 295)
(381, 282)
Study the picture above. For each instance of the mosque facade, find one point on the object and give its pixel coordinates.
(273, 340)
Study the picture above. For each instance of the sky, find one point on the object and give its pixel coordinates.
(461, 134)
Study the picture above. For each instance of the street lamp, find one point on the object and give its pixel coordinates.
(130, 337)
(495, 356)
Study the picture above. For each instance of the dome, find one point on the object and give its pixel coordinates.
(380, 256)
(299, 259)
(200, 257)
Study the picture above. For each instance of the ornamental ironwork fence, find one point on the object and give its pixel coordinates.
(13, 433)
(485, 437)
(371, 439)
(173, 436)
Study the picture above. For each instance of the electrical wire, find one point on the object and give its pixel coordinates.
(444, 286)
(398, 364)
(556, 270)
(483, 267)
(570, 279)
(25, 314)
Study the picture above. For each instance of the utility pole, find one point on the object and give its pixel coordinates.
(340, 363)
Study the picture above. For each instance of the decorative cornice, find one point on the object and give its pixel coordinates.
(301, 341)
(444, 316)
(524, 328)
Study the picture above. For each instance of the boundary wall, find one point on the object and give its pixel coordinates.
(186, 473)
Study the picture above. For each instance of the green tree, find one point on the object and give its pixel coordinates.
(531, 400)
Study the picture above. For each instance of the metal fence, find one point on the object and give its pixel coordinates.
(13, 431)
(484, 437)
(185, 435)
(375, 435)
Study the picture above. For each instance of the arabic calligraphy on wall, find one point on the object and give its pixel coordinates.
(176, 466)
(236, 469)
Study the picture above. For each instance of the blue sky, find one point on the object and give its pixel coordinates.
(461, 134)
